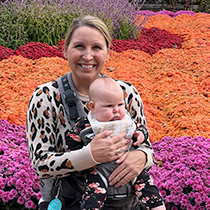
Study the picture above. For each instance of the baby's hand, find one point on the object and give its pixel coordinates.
(139, 138)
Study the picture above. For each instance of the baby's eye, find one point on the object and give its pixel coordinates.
(109, 106)
(121, 104)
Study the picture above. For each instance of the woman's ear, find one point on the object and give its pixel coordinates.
(65, 54)
(107, 56)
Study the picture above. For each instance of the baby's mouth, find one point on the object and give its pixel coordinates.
(115, 118)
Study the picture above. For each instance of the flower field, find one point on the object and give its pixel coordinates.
(169, 64)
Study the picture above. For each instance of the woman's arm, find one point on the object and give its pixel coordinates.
(47, 125)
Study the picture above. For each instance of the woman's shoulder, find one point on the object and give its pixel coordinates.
(51, 84)
(123, 83)
(127, 87)
(48, 87)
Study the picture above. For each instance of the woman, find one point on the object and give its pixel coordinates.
(86, 47)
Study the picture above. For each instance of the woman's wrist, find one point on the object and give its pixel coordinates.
(96, 162)
(148, 157)
(82, 159)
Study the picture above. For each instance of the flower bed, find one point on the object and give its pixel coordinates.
(182, 172)
(19, 185)
(174, 83)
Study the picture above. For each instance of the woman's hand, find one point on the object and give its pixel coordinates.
(131, 165)
(105, 149)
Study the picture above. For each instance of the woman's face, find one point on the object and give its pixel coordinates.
(87, 53)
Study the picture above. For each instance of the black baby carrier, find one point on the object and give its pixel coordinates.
(70, 189)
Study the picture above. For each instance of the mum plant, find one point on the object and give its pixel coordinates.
(19, 185)
(182, 172)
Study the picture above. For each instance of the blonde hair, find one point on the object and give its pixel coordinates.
(89, 21)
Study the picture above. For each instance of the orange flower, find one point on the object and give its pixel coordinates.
(174, 84)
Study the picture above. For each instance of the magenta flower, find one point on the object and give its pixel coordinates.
(20, 200)
(29, 204)
(183, 178)
(19, 185)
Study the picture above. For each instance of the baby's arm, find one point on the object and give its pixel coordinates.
(140, 134)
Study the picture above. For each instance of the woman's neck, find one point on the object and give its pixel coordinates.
(82, 86)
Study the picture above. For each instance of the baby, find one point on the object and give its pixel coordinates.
(107, 112)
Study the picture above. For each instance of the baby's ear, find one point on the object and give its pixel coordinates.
(92, 106)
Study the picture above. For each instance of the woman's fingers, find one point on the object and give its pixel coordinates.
(131, 165)
(105, 149)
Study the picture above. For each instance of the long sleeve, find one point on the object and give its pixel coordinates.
(47, 126)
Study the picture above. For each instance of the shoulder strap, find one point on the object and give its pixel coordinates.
(70, 97)
(72, 105)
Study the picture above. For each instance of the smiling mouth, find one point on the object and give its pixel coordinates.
(87, 66)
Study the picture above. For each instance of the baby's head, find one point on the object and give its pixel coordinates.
(106, 100)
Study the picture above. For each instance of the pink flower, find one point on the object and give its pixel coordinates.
(189, 207)
(39, 195)
(29, 204)
(169, 198)
(20, 200)
(1, 193)
(192, 194)
(5, 197)
(2, 181)
(14, 192)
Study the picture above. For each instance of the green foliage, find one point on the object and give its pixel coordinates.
(204, 6)
(32, 23)
(12, 205)
(48, 21)
(124, 31)
(12, 31)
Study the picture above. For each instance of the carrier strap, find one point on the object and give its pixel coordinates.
(70, 98)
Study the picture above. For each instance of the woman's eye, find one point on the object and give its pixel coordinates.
(97, 47)
(78, 46)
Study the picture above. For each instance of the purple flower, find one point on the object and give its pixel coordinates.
(39, 195)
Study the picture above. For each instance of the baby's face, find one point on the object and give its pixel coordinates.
(110, 106)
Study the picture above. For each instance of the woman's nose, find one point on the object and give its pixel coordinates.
(87, 55)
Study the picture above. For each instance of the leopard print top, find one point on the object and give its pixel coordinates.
(48, 125)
